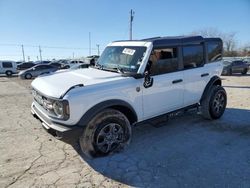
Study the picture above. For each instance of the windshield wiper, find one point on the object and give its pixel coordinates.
(98, 66)
(119, 69)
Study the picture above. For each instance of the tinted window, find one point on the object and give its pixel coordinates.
(238, 63)
(214, 50)
(193, 56)
(163, 61)
(7, 65)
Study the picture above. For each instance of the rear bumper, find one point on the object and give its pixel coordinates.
(48, 124)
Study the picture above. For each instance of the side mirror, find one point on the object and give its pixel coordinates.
(148, 80)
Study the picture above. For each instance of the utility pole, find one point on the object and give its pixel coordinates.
(40, 52)
(130, 24)
(73, 55)
(23, 53)
(98, 49)
(89, 43)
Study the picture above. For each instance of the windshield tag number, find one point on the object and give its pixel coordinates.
(128, 51)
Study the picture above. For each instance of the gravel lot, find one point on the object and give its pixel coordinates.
(186, 152)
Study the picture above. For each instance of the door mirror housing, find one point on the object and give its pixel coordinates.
(148, 80)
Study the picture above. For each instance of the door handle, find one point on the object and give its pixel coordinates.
(205, 74)
(176, 81)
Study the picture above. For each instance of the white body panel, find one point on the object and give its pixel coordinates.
(194, 83)
(163, 96)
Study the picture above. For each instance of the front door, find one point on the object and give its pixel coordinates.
(166, 93)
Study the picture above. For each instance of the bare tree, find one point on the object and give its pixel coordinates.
(229, 40)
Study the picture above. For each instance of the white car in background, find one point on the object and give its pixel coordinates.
(8, 67)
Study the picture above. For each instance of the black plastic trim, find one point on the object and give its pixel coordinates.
(209, 86)
(103, 105)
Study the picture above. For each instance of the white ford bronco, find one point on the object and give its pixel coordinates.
(132, 82)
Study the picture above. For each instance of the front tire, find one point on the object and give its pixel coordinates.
(107, 132)
(214, 104)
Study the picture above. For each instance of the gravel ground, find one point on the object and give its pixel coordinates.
(186, 152)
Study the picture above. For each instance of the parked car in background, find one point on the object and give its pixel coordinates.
(19, 62)
(238, 66)
(75, 61)
(73, 67)
(56, 64)
(26, 65)
(42, 62)
(8, 67)
(92, 59)
(37, 70)
(247, 60)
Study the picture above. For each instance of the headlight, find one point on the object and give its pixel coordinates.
(58, 108)
(61, 109)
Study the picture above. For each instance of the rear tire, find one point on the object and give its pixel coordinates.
(28, 76)
(214, 104)
(109, 131)
(9, 73)
(244, 72)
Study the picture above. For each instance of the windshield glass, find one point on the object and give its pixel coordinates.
(122, 58)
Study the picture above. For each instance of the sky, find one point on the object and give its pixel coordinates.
(62, 27)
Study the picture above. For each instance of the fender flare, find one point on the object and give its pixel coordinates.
(115, 104)
(215, 80)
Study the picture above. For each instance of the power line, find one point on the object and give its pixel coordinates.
(45, 46)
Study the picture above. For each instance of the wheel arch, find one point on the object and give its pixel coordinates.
(116, 104)
(215, 80)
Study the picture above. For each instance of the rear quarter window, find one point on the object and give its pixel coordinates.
(214, 51)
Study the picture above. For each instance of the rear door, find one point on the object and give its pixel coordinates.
(195, 74)
(166, 93)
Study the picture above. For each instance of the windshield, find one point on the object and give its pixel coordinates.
(122, 58)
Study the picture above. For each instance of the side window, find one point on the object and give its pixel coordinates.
(193, 56)
(7, 65)
(163, 60)
(214, 51)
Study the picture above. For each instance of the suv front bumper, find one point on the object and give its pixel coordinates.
(48, 124)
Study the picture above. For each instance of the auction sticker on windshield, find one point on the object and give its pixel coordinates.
(128, 51)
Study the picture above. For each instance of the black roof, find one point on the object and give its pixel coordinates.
(178, 40)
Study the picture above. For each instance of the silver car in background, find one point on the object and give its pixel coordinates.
(37, 70)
